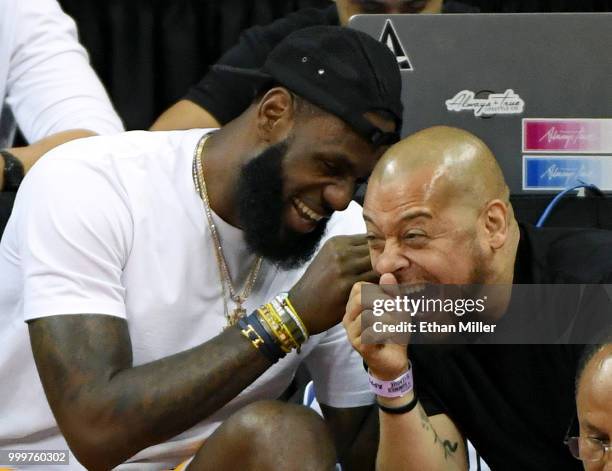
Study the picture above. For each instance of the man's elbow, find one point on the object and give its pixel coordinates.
(98, 444)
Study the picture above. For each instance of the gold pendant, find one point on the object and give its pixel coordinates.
(236, 315)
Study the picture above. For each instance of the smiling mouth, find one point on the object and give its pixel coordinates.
(414, 288)
(305, 211)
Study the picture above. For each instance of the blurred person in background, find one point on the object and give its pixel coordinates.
(47, 85)
(217, 99)
(593, 446)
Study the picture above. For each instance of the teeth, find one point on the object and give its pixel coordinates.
(416, 288)
(307, 211)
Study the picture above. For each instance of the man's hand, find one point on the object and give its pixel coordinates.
(320, 295)
(410, 441)
(386, 361)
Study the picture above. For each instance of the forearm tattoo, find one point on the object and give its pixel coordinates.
(449, 447)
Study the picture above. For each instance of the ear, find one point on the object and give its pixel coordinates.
(496, 223)
(275, 115)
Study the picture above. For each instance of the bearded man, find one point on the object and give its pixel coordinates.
(135, 259)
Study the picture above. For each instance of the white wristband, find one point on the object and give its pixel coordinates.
(395, 388)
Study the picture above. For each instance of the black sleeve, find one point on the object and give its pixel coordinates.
(593, 318)
(225, 96)
(423, 359)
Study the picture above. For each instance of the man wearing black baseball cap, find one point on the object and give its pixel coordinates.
(168, 284)
(315, 64)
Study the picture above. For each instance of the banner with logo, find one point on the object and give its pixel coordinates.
(554, 153)
(560, 172)
(588, 136)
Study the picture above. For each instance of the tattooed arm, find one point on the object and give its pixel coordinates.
(413, 441)
(109, 410)
(410, 441)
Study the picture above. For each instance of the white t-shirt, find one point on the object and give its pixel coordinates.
(46, 82)
(113, 225)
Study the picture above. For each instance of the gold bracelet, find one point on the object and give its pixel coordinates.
(281, 336)
(265, 325)
(287, 302)
(282, 325)
(287, 319)
(274, 328)
(280, 330)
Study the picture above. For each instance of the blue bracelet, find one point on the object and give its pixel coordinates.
(270, 343)
(270, 349)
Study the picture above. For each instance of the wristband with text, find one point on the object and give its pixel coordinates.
(395, 388)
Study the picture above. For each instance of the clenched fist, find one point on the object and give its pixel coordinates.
(320, 295)
(386, 361)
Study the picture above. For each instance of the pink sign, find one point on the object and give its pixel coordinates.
(593, 136)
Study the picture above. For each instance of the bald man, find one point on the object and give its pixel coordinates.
(594, 401)
(437, 211)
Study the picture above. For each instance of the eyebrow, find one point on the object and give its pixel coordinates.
(417, 213)
(408, 215)
(591, 428)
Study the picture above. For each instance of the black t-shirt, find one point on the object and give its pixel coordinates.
(515, 402)
(226, 96)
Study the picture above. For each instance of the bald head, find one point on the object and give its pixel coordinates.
(598, 370)
(594, 400)
(436, 196)
(459, 165)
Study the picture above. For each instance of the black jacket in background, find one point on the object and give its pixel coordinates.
(226, 96)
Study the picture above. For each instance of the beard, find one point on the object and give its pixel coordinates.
(261, 208)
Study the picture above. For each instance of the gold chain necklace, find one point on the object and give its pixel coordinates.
(224, 274)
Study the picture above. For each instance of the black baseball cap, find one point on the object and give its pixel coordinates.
(341, 70)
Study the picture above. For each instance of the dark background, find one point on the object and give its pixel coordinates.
(148, 52)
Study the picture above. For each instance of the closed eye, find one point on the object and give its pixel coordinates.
(329, 165)
(414, 235)
(415, 238)
(332, 168)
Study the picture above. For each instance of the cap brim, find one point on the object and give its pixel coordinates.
(254, 74)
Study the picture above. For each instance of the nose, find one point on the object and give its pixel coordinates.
(391, 259)
(338, 195)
